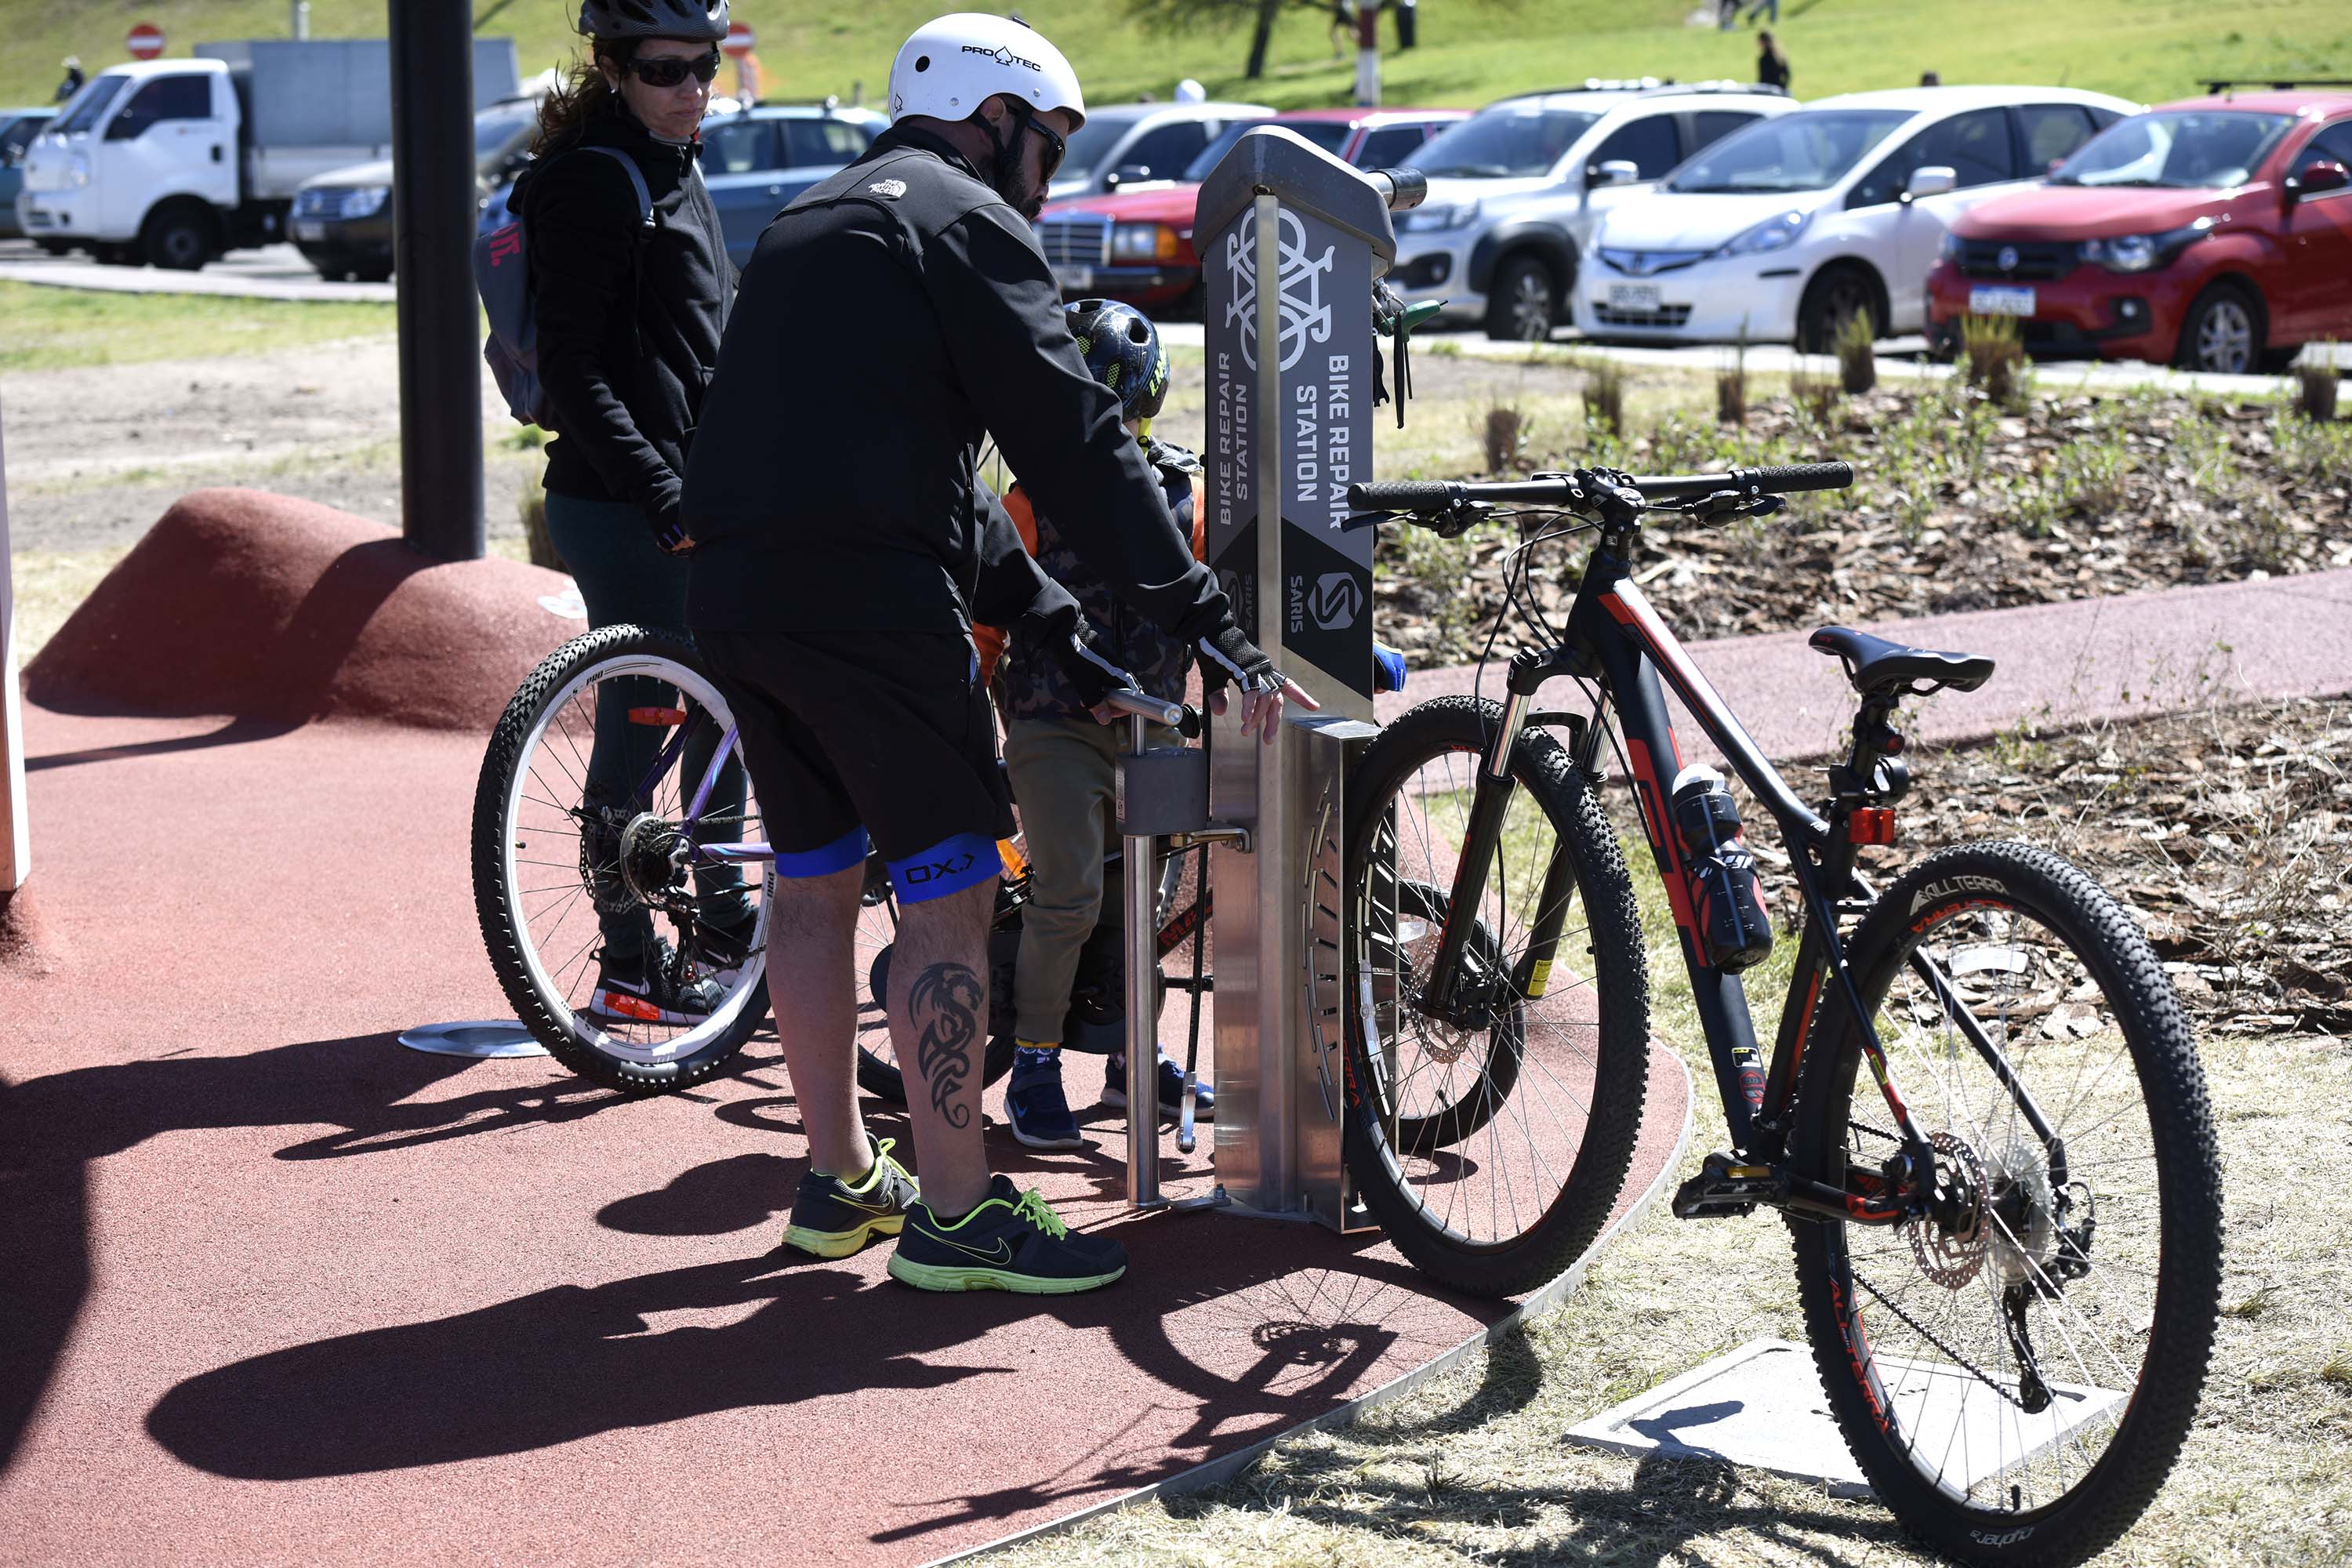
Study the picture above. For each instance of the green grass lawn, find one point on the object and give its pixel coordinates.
(44, 327)
(1470, 51)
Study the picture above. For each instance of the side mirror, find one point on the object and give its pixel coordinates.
(1615, 172)
(1930, 180)
(1126, 175)
(2321, 177)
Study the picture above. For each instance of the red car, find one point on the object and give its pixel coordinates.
(1136, 243)
(2214, 232)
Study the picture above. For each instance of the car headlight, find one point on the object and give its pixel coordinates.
(1772, 234)
(2143, 252)
(78, 169)
(1952, 247)
(1143, 242)
(1437, 218)
(364, 201)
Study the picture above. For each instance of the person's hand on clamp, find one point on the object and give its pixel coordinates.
(1094, 677)
(669, 532)
(1226, 655)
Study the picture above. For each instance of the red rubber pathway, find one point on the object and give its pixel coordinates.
(275, 1290)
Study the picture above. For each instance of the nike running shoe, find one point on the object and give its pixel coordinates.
(642, 990)
(722, 951)
(1013, 1241)
(1034, 1107)
(1172, 1091)
(833, 1219)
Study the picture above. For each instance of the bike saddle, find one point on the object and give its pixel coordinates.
(1874, 665)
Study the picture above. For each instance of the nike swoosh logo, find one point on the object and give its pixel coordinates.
(845, 1201)
(1003, 1253)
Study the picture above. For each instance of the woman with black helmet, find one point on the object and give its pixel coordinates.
(631, 284)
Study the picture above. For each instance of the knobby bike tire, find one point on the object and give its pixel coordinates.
(550, 1019)
(1570, 1222)
(2087, 1516)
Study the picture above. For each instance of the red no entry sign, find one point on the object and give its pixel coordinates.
(144, 41)
(739, 39)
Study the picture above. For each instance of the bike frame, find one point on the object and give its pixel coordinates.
(1615, 638)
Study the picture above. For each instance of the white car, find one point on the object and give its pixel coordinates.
(1781, 232)
(1515, 189)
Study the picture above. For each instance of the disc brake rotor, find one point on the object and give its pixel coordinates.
(1950, 1254)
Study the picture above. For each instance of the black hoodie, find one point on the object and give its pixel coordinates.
(629, 318)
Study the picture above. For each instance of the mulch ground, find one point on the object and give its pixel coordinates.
(1960, 505)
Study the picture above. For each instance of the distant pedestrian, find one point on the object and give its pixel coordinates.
(1768, 9)
(1726, 15)
(1931, 79)
(1772, 65)
(74, 79)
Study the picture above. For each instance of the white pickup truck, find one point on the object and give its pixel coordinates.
(172, 162)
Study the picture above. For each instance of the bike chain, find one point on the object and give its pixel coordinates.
(1920, 1329)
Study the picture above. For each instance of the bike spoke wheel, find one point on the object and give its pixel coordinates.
(2016, 1365)
(568, 843)
(1490, 1127)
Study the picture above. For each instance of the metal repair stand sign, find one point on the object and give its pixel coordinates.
(1290, 240)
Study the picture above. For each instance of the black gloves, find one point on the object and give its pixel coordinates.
(1226, 654)
(669, 530)
(1095, 677)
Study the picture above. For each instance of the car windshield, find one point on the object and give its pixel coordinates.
(1804, 151)
(494, 128)
(82, 113)
(1329, 134)
(2193, 148)
(1096, 137)
(1506, 143)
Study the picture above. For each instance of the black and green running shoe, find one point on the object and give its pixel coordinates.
(1013, 1241)
(833, 1219)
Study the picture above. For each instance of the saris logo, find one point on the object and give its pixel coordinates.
(1304, 315)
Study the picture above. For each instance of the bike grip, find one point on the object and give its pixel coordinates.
(1405, 188)
(1793, 477)
(1403, 495)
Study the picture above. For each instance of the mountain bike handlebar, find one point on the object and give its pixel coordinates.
(1431, 496)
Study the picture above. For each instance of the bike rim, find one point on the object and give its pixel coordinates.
(558, 936)
(1520, 1089)
(2044, 1268)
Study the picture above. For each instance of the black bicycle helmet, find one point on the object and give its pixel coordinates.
(654, 19)
(1121, 346)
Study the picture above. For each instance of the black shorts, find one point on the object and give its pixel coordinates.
(879, 736)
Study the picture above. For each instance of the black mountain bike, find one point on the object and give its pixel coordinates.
(1984, 1117)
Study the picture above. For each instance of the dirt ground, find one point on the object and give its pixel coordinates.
(97, 454)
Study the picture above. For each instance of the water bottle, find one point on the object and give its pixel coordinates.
(1726, 896)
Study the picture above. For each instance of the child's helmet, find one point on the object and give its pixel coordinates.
(1121, 346)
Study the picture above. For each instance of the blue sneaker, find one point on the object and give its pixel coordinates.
(1013, 1241)
(833, 1219)
(1171, 1089)
(1035, 1106)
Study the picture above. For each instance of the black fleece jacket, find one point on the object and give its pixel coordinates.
(891, 318)
(629, 318)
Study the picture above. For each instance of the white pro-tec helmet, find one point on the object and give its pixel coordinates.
(955, 63)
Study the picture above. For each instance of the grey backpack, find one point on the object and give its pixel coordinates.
(502, 274)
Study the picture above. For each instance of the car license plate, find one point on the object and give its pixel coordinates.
(2000, 301)
(1075, 280)
(307, 228)
(1640, 297)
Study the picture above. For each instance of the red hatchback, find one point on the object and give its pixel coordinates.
(1137, 244)
(2215, 234)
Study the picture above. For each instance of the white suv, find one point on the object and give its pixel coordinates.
(1515, 189)
(1780, 233)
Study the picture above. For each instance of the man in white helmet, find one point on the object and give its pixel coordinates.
(891, 318)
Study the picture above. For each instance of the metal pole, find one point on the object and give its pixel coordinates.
(440, 322)
(1140, 887)
(15, 825)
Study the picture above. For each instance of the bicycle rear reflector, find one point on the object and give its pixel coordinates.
(660, 717)
(1871, 825)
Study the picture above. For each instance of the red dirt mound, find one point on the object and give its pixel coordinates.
(267, 607)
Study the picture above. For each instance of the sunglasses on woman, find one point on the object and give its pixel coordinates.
(668, 70)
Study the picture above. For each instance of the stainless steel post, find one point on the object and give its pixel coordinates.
(1139, 885)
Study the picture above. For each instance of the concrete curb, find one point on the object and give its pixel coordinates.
(1217, 1471)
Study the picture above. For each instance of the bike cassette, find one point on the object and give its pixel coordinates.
(1727, 1188)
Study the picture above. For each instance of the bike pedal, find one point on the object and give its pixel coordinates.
(1725, 1188)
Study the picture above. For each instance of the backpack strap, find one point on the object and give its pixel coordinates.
(636, 179)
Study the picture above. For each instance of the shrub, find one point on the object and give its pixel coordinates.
(1992, 355)
(1604, 396)
(1507, 439)
(2315, 383)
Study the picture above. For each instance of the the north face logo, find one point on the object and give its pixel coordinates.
(893, 189)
